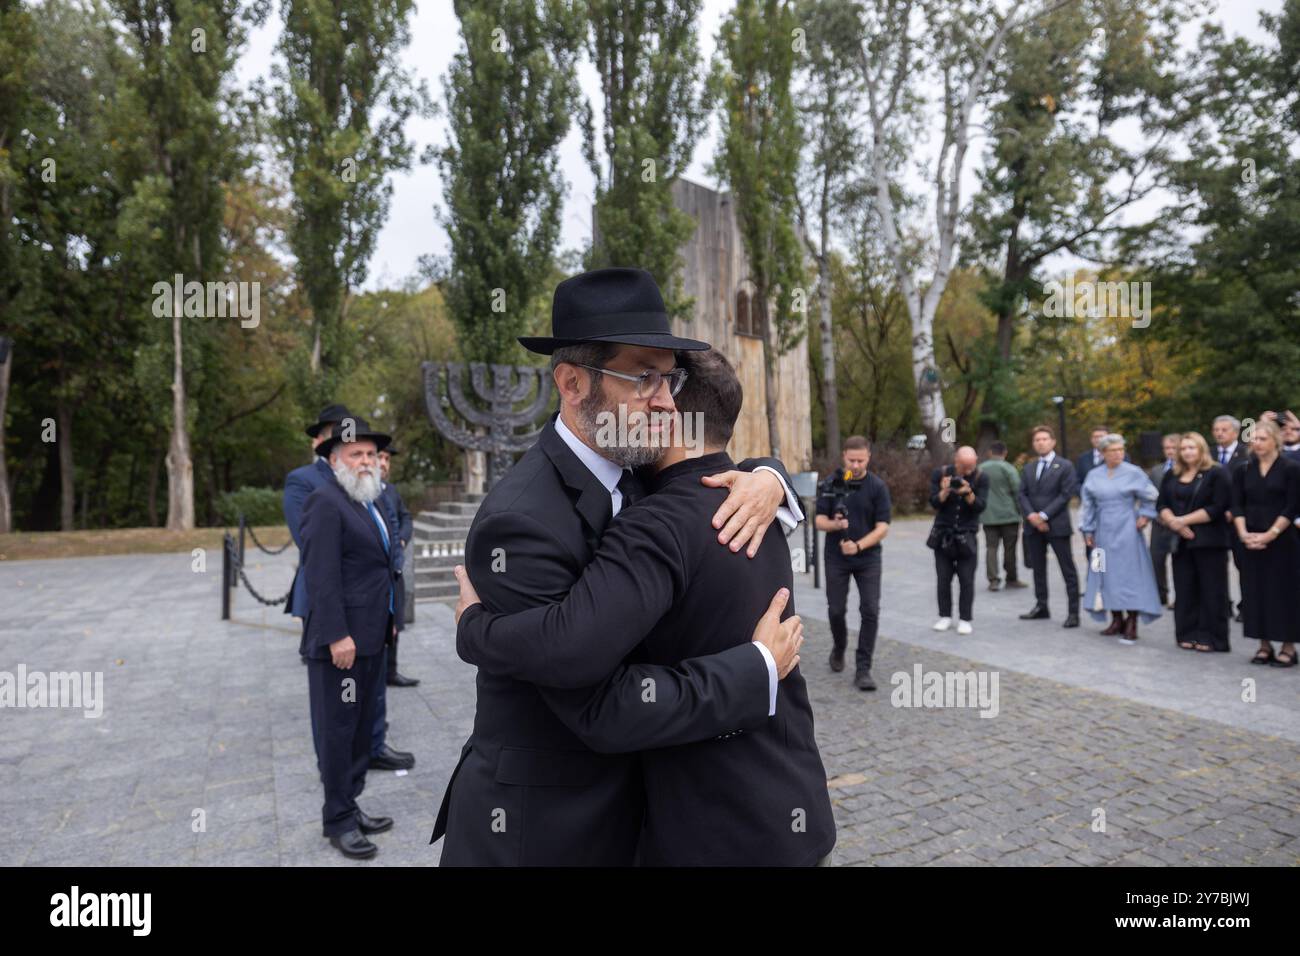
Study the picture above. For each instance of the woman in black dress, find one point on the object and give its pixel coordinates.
(1193, 497)
(1265, 503)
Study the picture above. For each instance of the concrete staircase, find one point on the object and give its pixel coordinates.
(439, 545)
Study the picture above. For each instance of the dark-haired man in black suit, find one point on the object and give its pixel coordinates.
(1231, 454)
(350, 560)
(539, 781)
(1046, 487)
(752, 798)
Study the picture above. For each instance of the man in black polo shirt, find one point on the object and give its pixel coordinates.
(853, 509)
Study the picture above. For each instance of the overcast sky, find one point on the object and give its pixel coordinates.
(413, 231)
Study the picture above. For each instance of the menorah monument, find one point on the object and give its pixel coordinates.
(494, 421)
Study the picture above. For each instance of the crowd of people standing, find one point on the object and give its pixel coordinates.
(1201, 503)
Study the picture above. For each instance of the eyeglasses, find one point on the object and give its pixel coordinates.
(648, 382)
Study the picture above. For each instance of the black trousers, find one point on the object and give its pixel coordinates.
(1238, 553)
(1006, 536)
(867, 578)
(1201, 583)
(1036, 558)
(964, 568)
(343, 707)
(1162, 540)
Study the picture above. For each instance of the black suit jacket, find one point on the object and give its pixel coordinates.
(1212, 492)
(352, 574)
(547, 776)
(400, 528)
(752, 798)
(1051, 496)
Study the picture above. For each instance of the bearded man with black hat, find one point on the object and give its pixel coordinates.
(351, 561)
(298, 485)
(550, 777)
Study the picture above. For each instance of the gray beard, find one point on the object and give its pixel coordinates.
(363, 489)
(621, 455)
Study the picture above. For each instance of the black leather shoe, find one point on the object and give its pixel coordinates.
(1036, 613)
(369, 824)
(1071, 620)
(864, 681)
(352, 844)
(390, 759)
(400, 680)
(837, 659)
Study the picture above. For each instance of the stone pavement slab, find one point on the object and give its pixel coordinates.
(207, 720)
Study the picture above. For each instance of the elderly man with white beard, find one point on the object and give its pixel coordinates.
(352, 566)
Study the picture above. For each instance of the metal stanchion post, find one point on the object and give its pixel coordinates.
(227, 574)
(241, 539)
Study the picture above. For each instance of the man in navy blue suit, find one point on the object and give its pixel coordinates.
(350, 559)
(298, 484)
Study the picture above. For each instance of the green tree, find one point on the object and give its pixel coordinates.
(1059, 176)
(1233, 292)
(647, 58)
(510, 91)
(17, 42)
(342, 101)
(179, 142)
(825, 102)
(758, 157)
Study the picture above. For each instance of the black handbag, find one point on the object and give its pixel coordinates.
(935, 541)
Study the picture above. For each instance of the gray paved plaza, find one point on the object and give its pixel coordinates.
(204, 720)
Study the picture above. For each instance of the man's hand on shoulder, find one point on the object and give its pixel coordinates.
(749, 509)
(782, 638)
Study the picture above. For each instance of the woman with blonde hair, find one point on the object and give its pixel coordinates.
(1118, 501)
(1193, 497)
(1265, 504)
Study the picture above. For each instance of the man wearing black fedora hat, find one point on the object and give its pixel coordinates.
(527, 789)
(298, 485)
(351, 562)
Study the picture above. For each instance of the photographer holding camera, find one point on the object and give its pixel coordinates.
(958, 493)
(853, 508)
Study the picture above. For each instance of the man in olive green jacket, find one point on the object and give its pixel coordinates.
(1001, 517)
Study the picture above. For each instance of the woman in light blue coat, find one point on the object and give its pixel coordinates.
(1118, 502)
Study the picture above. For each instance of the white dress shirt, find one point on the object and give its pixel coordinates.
(608, 474)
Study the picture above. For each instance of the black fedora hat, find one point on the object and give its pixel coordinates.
(360, 431)
(329, 415)
(609, 305)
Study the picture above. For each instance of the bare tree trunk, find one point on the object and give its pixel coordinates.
(769, 376)
(67, 489)
(6, 362)
(830, 400)
(315, 347)
(180, 467)
(151, 503)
